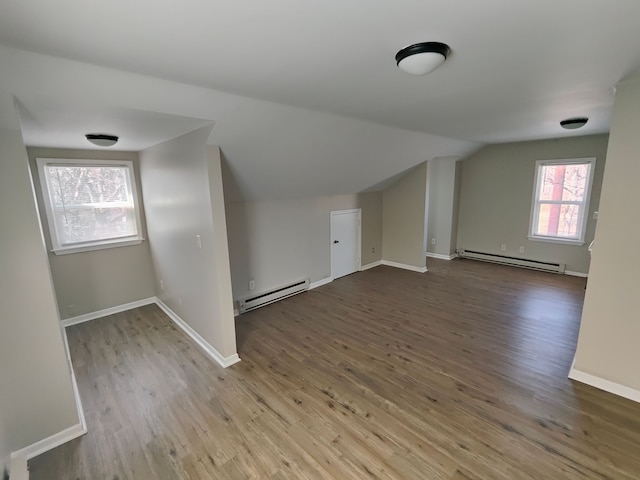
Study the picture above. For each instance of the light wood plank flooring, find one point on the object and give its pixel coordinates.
(457, 374)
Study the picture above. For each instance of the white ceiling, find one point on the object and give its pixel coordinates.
(516, 70)
(47, 124)
(305, 96)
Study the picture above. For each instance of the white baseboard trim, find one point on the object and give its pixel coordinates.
(48, 443)
(606, 385)
(404, 266)
(74, 383)
(576, 274)
(320, 283)
(206, 346)
(370, 265)
(441, 256)
(18, 469)
(107, 311)
(19, 458)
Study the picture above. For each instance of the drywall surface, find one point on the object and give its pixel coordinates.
(404, 219)
(36, 396)
(275, 151)
(277, 242)
(442, 196)
(610, 328)
(496, 195)
(183, 197)
(90, 281)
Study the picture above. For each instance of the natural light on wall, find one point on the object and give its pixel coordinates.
(89, 204)
(561, 200)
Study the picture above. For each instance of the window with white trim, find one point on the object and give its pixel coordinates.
(560, 206)
(90, 204)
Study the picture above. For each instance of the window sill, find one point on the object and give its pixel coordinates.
(556, 240)
(97, 246)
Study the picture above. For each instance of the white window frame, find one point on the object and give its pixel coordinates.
(56, 246)
(535, 202)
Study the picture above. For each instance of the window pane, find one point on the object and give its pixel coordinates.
(91, 203)
(575, 182)
(564, 182)
(558, 220)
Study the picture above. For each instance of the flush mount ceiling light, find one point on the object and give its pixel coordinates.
(573, 123)
(102, 139)
(422, 58)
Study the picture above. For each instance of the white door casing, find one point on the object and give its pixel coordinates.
(345, 242)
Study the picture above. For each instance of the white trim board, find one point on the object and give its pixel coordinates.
(206, 346)
(606, 385)
(74, 382)
(49, 443)
(413, 268)
(370, 265)
(19, 469)
(576, 274)
(441, 256)
(320, 283)
(107, 311)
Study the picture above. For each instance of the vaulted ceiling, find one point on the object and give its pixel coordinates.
(516, 69)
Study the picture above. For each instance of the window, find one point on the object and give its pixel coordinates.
(561, 200)
(90, 204)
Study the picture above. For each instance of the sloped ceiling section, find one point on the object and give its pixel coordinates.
(272, 151)
(517, 67)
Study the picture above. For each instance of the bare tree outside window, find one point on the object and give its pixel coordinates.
(561, 199)
(89, 203)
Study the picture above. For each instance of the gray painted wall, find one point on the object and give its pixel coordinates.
(442, 204)
(183, 195)
(276, 242)
(90, 281)
(404, 223)
(496, 194)
(610, 328)
(36, 396)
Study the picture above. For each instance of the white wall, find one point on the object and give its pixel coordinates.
(276, 242)
(183, 197)
(90, 281)
(404, 223)
(496, 194)
(36, 396)
(442, 196)
(610, 329)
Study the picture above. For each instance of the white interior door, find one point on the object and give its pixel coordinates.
(345, 242)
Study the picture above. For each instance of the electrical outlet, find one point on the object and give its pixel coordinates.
(252, 284)
(521, 249)
(503, 247)
(373, 249)
(433, 241)
(161, 284)
(198, 241)
(595, 215)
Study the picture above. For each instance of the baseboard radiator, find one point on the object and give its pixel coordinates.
(513, 261)
(261, 299)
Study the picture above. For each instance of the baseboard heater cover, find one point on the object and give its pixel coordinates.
(513, 261)
(270, 296)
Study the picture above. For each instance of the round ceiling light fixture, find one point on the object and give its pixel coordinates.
(102, 139)
(574, 123)
(422, 58)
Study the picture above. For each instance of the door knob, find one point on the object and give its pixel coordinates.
(336, 241)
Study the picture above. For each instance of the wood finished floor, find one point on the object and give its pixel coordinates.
(458, 374)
